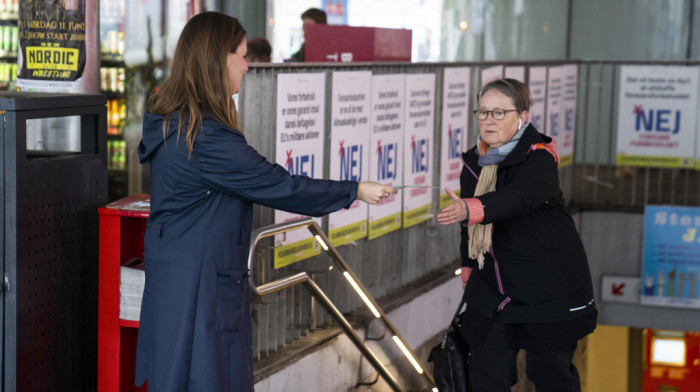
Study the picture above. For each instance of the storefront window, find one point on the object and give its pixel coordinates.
(476, 30)
(653, 30)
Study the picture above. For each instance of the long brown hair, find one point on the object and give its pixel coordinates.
(199, 83)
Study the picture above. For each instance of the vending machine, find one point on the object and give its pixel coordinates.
(671, 361)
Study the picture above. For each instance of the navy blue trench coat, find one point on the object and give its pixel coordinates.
(195, 330)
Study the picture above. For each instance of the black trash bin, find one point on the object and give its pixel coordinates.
(55, 177)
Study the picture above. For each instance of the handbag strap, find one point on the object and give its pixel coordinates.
(459, 308)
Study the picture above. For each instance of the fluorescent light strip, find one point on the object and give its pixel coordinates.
(408, 355)
(361, 294)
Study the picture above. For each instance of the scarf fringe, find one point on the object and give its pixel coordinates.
(480, 234)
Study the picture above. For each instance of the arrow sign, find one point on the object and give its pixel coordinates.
(617, 288)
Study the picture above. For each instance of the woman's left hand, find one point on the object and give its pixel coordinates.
(455, 212)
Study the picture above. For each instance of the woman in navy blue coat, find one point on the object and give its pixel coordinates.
(528, 285)
(195, 327)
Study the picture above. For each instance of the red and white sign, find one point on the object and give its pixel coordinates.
(621, 289)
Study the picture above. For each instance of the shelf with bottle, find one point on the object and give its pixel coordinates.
(112, 45)
(112, 85)
(116, 155)
(9, 33)
(8, 75)
(112, 17)
(9, 10)
(116, 116)
(111, 12)
(112, 80)
(9, 37)
(116, 145)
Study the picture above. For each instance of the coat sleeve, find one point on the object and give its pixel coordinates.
(534, 182)
(230, 165)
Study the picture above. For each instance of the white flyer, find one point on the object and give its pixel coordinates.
(568, 120)
(455, 115)
(350, 110)
(386, 150)
(418, 137)
(538, 93)
(657, 116)
(300, 122)
(554, 124)
(491, 74)
(516, 72)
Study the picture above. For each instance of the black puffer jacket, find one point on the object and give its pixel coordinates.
(537, 270)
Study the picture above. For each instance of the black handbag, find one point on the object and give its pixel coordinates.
(451, 358)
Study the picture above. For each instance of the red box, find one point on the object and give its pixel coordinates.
(333, 43)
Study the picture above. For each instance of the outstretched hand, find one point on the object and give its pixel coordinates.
(372, 192)
(455, 212)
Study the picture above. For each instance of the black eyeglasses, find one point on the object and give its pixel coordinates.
(497, 114)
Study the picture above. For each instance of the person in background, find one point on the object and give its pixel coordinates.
(259, 50)
(310, 16)
(527, 281)
(195, 326)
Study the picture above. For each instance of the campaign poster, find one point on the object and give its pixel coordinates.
(671, 256)
(657, 116)
(418, 137)
(554, 124)
(300, 122)
(386, 155)
(455, 116)
(491, 74)
(350, 111)
(568, 112)
(538, 93)
(52, 46)
(515, 72)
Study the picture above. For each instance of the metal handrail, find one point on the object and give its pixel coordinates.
(315, 290)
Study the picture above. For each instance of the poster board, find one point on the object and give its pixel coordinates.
(300, 136)
(568, 113)
(419, 122)
(386, 146)
(349, 158)
(455, 115)
(554, 126)
(657, 116)
(52, 50)
(537, 82)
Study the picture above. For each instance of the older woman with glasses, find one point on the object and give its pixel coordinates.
(527, 281)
